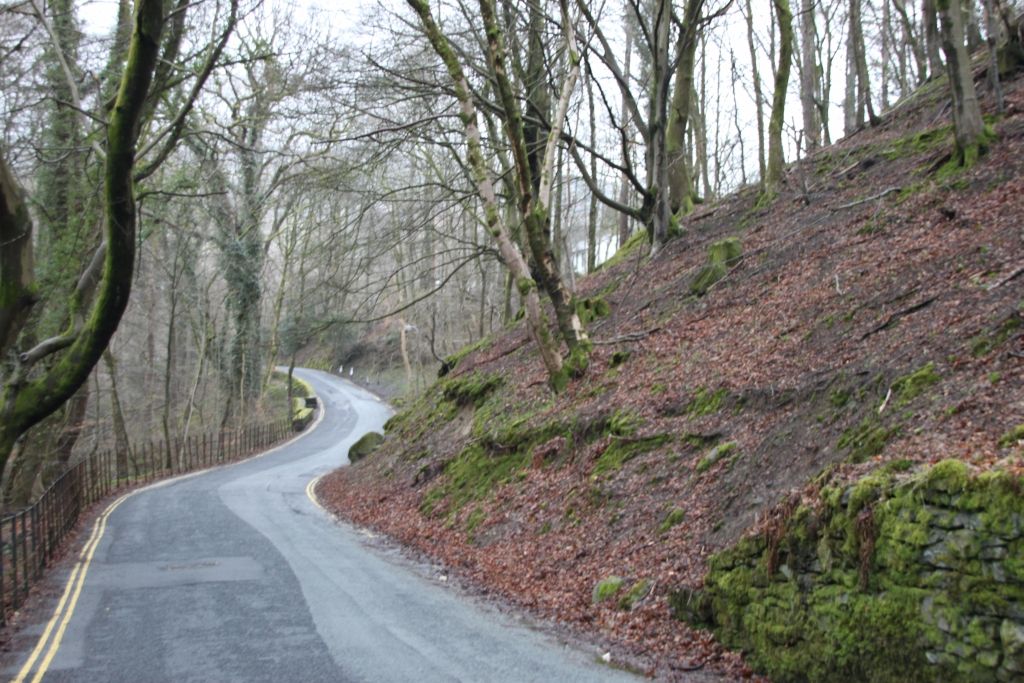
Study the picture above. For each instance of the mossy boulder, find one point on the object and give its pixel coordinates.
(722, 256)
(366, 445)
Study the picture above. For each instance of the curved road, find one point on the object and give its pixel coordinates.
(235, 574)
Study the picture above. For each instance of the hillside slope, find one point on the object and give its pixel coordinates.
(874, 317)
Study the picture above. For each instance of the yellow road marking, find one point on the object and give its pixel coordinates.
(311, 492)
(66, 606)
(77, 579)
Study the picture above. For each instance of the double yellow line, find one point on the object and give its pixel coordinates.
(68, 600)
(66, 606)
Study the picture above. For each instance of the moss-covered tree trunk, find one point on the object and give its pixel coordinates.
(535, 167)
(680, 181)
(968, 125)
(28, 396)
(775, 157)
(508, 249)
(657, 206)
(17, 287)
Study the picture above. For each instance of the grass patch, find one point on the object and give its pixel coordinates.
(674, 517)
(607, 588)
(908, 387)
(705, 402)
(715, 455)
(471, 389)
(1014, 436)
(986, 342)
(623, 449)
(867, 438)
(636, 242)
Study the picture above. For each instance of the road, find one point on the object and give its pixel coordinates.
(236, 574)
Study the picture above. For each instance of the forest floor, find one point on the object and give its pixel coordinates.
(876, 315)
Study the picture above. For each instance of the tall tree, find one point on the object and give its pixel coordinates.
(26, 396)
(533, 187)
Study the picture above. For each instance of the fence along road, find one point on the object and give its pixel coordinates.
(237, 575)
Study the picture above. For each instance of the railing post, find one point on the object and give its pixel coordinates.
(24, 554)
(36, 566)
(3, 574)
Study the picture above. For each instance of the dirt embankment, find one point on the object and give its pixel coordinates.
(875, 315)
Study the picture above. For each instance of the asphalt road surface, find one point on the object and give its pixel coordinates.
(236, 574)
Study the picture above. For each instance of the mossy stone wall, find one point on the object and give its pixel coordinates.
(920, 579)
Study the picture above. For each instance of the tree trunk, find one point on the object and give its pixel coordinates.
(775, 160)
(860, 65)
(24, 402)
(970, 133)
(992, 30)
(810, 88)
(931, 37)
(623, 196)
(121, 444)
(680, 181)
(592, 213)
(509, 252)
(758, 96)
(911, 37)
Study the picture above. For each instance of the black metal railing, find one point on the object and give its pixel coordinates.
(30, 538)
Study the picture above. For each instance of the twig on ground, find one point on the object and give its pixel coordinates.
(888, 322)
(1013, 275)
(632, 336)
(880, 195)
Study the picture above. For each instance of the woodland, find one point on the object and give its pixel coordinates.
(517, 197)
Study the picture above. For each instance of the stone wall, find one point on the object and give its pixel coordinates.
(902, 577)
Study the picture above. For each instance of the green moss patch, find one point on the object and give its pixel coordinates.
(912, 579)
(607, 588)
(867, 438)
(715, 455)
(631, 247)
(635, 595)
(1012, 437)
(618, 358)
(623, 449)
(989, 340)
(674, 518)
(592, 308)
(705, 402)
(908, 387)
(722, 256)
(471, 476)
(452, 361)
(470, 389)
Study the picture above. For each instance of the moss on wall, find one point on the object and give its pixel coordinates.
(917, 579)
